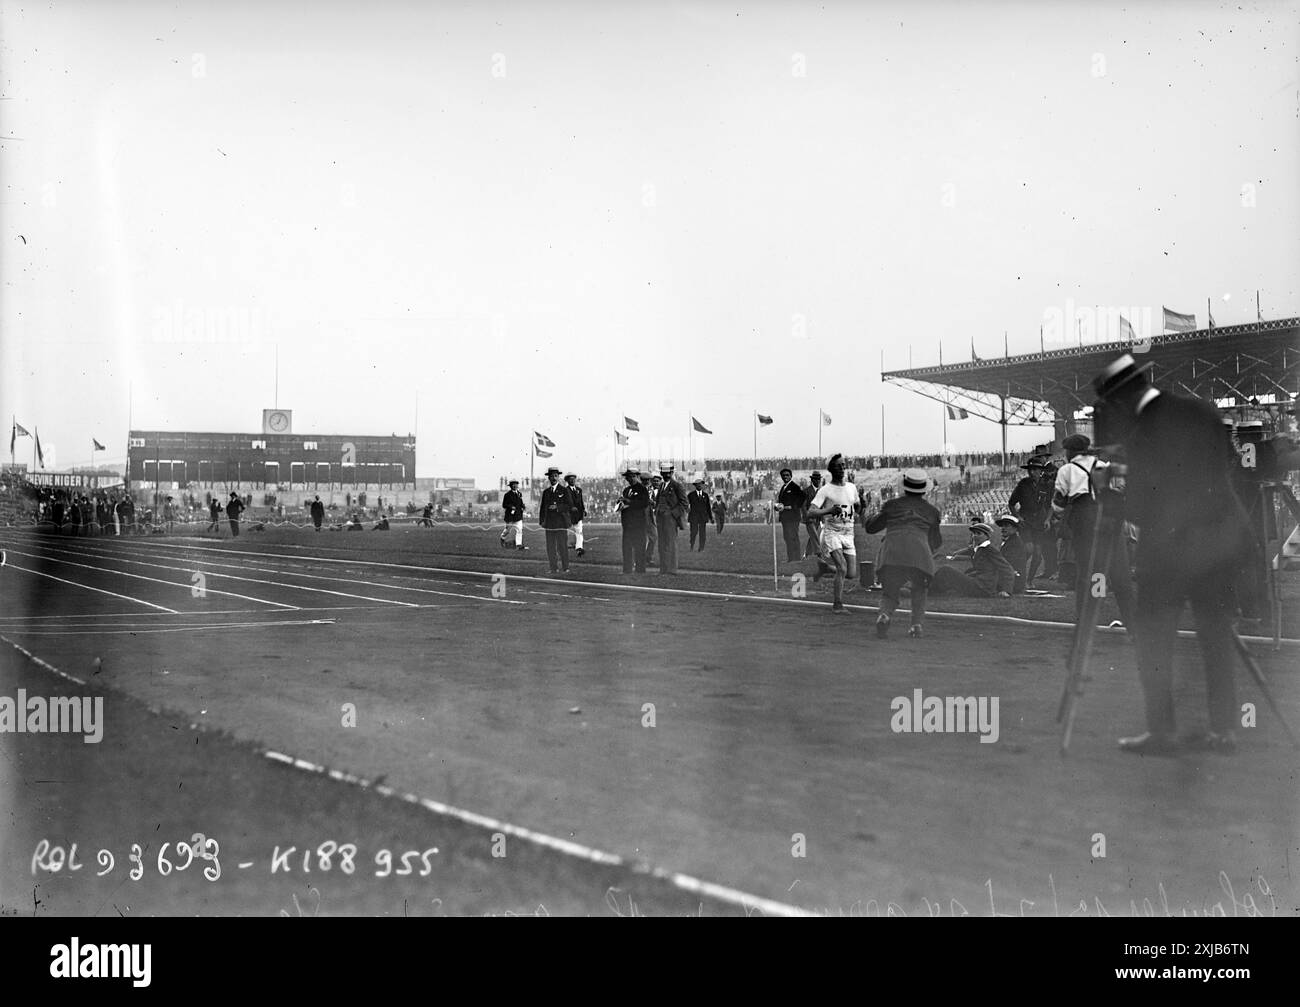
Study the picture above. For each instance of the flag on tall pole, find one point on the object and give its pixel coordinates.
(1209, 312)
(542, 440)
(40, 455)
(765, 421)
(699, 427)
(631, 424)
(957, 412)
(96, 446)
(15, 433)
(1178, 322)
(620, 439)
(1126, 333)
(540, 453)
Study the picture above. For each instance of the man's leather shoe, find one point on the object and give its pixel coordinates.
(1150, 744)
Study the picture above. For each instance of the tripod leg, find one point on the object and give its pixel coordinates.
(1102, 540)
(1257, 673)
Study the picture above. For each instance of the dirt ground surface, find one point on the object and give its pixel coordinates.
(705, 724)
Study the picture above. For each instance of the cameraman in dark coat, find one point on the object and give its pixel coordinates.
(1193, 540)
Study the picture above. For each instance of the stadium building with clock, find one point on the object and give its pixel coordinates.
(276, 459)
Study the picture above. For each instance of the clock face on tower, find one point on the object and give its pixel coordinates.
(276, 421)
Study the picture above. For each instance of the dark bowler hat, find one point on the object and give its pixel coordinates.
(815, 476)
(1076, 442)
(1120, 372)
(632, 470)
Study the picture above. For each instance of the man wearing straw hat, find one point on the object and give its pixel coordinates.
(911, 527)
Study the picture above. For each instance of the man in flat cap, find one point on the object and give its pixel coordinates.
(512, 507)
(1193, 538)
(700, 513)
(578, 513)
(790, 500)
(633, 509)
(990, 573)
(671, 508)
(1013, 549)
(1072, 501)
(554, 519)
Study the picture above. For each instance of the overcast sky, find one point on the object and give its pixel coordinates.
(543, 216)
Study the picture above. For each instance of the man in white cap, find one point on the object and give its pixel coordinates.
(1193, 541)
(512, 506)
(670, 517)
(579, 511)
(835, 504)
(912, 534)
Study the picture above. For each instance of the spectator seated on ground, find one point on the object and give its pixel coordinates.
(1013, 549)
(990, 574)
(382, 523)
(353, 524)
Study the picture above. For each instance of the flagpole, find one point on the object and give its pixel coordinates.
(820, 414)
(532, 455)
(755, 468)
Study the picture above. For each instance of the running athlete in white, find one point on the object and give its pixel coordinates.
(835, 504)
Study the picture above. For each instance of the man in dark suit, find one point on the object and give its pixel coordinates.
(317, 512)
(720, 512)
(1192, 541)
(578, 513)
(699, 513)
(554, 518)
(670, 517)
(633, 508)
(789, 504)
(233, 509)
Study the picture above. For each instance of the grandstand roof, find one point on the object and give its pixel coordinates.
(1236, 361)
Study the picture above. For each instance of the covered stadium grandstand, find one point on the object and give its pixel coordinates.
(1252, 371)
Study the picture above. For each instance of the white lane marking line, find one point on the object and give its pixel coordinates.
(90, 554)
(208, 628)
(250, 580)
(41, 664)
(590, 854)
(208, 565)
(99, 590)
(1186, 634)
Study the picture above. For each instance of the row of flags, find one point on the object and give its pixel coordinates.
(18, 430)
